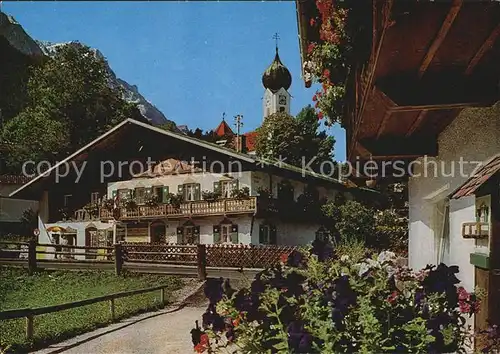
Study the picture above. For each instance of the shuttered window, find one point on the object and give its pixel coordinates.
(267, 235)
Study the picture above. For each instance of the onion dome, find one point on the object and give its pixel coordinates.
(277, 75)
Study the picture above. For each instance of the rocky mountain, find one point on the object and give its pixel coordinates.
(17, 38)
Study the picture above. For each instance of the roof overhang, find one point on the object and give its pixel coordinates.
(479, 177)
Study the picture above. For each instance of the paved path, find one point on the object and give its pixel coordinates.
(162, 332)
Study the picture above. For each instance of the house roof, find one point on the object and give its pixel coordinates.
(479, 177)
(223, 129)
(133, 135)
(250, 139)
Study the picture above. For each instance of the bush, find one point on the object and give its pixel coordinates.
(353, 222)
(370, 306)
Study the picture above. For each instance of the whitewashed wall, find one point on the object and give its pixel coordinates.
(80, 226)
(473, 136)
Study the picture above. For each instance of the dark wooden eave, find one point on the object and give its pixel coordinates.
(428, 61)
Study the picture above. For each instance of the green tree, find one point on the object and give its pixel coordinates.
(70, 101)
(34, 136)
(298, 140)
(169, 126)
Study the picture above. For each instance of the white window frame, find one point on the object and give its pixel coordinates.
(225, 233)
(190, 192)
(226, 188)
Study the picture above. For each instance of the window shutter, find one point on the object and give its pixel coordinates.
(234, 233)
(179, 234)
(272, 235)
(165, 198)
(217, 188)
(216, 232)
(234, 185)
(197, 234)
(197, 191)
(261, 234)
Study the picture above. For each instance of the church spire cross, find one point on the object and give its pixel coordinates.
(276, 37)
(224, 116)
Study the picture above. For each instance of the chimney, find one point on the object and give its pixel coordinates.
(243, 144)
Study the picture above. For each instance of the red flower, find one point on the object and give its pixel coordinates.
(310, 48)
(315, 98)
(236, 322)
(320, 115)
(203, 345)
(392, 298)
(326, 73)
(312, 22)
(284, 258)
(316, 105)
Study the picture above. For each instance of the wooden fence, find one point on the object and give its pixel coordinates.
(199, 257)
(29, 313)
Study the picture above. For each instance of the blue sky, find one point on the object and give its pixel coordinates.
(193, 60)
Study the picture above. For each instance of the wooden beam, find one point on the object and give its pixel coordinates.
(363, 151)
(401, 147)
(488, 43)
(384, 122)
(437, 107)
(445, 27)
(373, 60)
(417, 122)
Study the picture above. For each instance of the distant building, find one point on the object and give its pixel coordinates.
(276, 80)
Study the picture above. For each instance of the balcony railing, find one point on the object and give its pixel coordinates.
(201, 207)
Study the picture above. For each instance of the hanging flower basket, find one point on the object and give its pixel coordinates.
(328, 61)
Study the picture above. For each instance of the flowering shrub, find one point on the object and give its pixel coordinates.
(327, 61)
(336, 305)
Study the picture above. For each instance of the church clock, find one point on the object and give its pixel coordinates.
(282, 100)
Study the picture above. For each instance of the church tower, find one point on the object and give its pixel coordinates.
(276, 80)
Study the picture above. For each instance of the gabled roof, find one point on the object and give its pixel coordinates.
(223, 129)
(108, 137)
(480, 176)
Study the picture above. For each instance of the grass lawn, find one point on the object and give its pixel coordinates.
(18, 290)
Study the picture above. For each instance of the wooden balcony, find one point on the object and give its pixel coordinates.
(188, 209)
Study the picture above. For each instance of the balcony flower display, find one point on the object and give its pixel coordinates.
(210, 196)
(242, 193)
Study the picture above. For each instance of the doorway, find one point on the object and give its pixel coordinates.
(158, 232)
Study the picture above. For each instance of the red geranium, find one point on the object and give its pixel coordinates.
(315, 98)
(312, 22)
(393, 297)
(203, 345)
(320, 115)
(326, 73)
(310, 48)
(284, 258)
